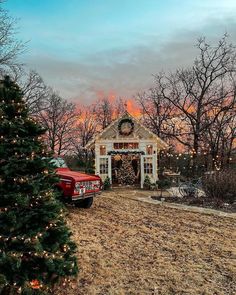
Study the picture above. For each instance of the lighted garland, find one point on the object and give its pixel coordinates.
(123, 121)
(125, 152)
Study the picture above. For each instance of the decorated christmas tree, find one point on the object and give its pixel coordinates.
(35, 246)
(125, 173)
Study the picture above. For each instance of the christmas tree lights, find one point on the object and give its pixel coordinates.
(35, 246)
(125, 174)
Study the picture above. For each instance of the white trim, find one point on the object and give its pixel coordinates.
(153, 176)
(109, 166)
(141, 171)
(149, 139)
(162, 144)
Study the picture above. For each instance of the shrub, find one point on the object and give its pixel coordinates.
(147, 182)
(107, 183)
(221, 185)
(90, 171)
(164, 183)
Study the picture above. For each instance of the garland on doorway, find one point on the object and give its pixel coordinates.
(128, 152)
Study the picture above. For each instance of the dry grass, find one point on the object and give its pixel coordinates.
(130, 247)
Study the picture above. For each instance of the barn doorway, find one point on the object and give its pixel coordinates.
(125, 169)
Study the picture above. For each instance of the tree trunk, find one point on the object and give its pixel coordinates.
(195, 154)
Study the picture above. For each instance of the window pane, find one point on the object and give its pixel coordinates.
(103, 150)
(103, 166)
(148, 165)
(149, 149)
(126, 145)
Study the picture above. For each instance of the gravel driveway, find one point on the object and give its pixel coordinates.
(130, 247)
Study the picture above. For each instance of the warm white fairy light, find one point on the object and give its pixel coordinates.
(28, 239)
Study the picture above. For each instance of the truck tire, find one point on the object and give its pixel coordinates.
(86, 203)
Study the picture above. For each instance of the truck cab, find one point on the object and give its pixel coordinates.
(76, 187)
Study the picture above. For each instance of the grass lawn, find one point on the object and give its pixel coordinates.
(131, 247)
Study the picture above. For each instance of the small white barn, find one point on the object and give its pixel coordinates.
(126, 137)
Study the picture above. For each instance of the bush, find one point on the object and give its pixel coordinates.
(107, 183)
(90, 171)
(147, 182)
(164, 183)
(221, 185)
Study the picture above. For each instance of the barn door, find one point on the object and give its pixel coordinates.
(105, 167)
(147, 168)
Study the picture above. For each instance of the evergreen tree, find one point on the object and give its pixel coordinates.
(126, 173)
(35, 246)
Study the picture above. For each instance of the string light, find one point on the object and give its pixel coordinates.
(41, 254)
(27, 239)
(35, 199)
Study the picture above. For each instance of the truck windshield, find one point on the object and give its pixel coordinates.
(59, 163)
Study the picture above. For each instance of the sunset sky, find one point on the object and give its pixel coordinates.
(91, 48)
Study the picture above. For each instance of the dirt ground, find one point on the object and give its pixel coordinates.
(131, 247)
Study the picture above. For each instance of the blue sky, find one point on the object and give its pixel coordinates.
(86, 47)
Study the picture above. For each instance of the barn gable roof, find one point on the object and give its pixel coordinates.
(140, 132)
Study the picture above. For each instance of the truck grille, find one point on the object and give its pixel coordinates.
(90, 185)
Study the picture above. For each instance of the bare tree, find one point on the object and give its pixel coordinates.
(106, 111)
(35, 92)
(85, 131)
(103, 110)
(86, 128)
(10, 47)
(91, 122)
(218, 140)
(59, 118)
(119, 107)
(195, 92)
(157, 112)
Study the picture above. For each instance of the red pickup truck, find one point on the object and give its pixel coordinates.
(76, 187)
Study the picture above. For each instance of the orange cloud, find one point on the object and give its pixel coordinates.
(133, 108)
(110, 95)
(131, 104)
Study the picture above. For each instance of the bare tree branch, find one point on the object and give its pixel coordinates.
(10, 47)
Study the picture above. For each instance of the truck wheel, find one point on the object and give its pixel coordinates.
(86, 203)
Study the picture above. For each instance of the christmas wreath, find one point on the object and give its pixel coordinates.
(126, 126)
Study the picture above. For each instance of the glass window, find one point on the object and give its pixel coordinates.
(125, 145)
(148, 165)
(103, 165)
(149, 149)
(103, 150)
